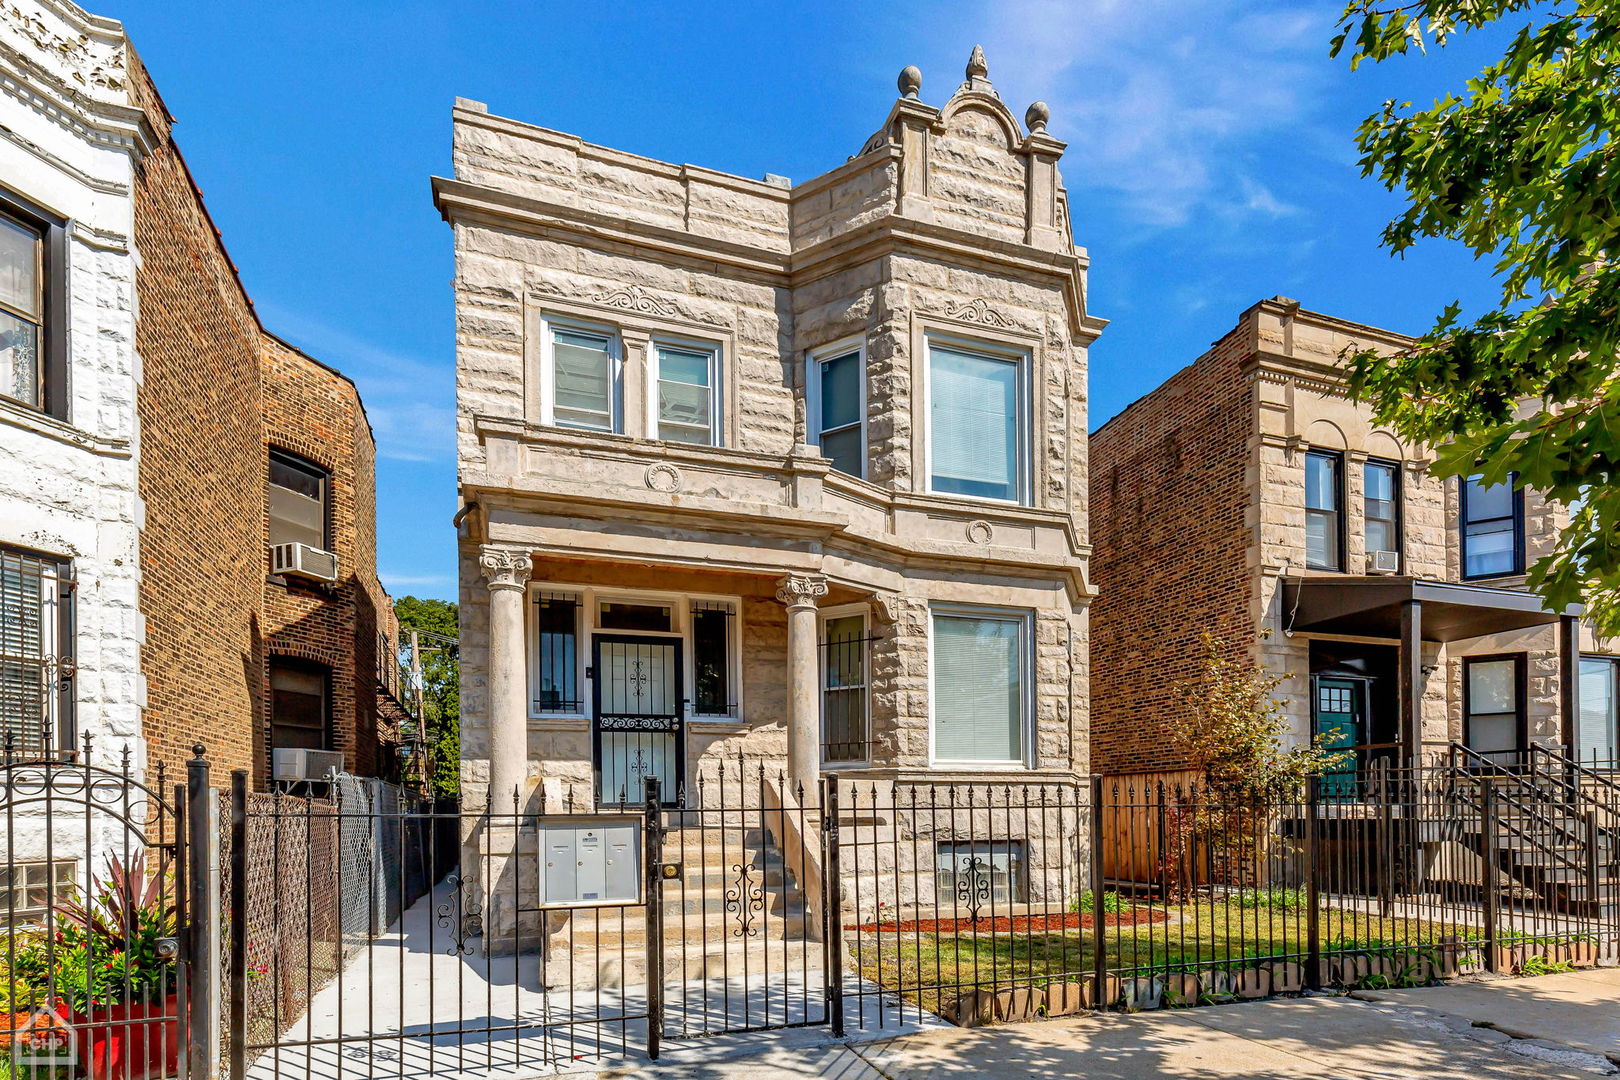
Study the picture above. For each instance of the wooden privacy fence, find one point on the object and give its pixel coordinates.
(1139, 825)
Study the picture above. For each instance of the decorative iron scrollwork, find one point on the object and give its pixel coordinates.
(973, 885)
(746, 901)
(462, 914)
(638, 723)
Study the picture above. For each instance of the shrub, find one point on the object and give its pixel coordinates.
(1274, 897)
(1113, 903)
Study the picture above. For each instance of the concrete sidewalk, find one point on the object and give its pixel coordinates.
(1298, 1039)
(1580, 1009)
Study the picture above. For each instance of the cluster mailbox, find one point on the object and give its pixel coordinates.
(590, 860)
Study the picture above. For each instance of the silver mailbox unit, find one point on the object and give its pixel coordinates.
(590, 860)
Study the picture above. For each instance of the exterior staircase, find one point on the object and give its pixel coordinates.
(733, 912)
(1553, 833)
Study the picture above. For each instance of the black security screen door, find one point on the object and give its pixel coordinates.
(638, 729)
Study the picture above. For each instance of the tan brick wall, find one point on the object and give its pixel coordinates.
(1171, 543)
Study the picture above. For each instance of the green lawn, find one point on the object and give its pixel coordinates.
(929, 968)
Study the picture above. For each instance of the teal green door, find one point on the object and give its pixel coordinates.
(1339, 707)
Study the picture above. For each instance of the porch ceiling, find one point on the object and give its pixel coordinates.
(1371, 607)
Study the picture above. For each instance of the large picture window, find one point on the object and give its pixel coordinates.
(1324, 510)
(1381, 506)
(1597, 735)
(687, 394)
(978, 423)
(838, 409)
(980, 666)
(582, 377)
(1493, 706)
(1492, 528)
(36, 644)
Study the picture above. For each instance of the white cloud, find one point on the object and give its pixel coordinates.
(1167, 103)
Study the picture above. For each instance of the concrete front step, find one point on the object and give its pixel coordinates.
(614, 968)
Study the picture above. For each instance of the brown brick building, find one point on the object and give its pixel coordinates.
(237, 657)
(187, 504)
(1248, 496)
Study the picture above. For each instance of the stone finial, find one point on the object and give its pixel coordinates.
(910, 81)
(976, 67)
(1036, 116)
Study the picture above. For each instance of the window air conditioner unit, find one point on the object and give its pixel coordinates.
(301, 560)
(298, 765)
(1383, 562)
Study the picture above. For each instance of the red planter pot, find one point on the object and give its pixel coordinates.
(129, 1042)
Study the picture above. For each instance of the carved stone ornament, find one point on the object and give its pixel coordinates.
(505, 568)
(801, 590)
(663, 477)
(978, 311)
(635, 298)
(979, 532)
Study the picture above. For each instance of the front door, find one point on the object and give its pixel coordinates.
(637, 726)
(1340, 721)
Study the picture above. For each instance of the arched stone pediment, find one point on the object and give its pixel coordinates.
(981, 117)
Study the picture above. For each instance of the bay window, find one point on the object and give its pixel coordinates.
(33, 308)
(980, 680)
(837, 408)
(977, 423)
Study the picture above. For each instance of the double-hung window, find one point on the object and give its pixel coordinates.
(1493, 705)
(298, 492)
(1381, 506)
(36, 632)
(1597, 735)
(687, 394)
(837, 408)
(33, 306)
(300, 705)
(1492, 528)
(1324, 510)
(980, 685)
(978, 422)
(581, 378)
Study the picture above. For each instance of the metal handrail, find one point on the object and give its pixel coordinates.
(1574, 766)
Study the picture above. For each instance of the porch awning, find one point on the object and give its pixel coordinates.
(1371, 607)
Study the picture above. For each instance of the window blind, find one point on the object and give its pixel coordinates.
(582, 375)
(1596, 736)
(685, 396)
(973, 423)
(840, 421)
(26, 644)
(978, 688)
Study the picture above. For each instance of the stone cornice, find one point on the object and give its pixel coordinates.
(113, 124)
(20, 416)
(460, 202)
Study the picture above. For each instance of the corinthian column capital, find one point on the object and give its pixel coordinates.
(801, 590)
(505, 568)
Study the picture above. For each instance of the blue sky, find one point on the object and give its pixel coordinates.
(1210, 163)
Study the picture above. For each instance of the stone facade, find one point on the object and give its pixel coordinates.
(147, 479)
(950, 225)
(1224, 442)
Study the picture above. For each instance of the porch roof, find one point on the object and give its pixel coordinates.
(1371, 607)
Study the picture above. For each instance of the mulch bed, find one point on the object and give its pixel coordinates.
(1013, 924)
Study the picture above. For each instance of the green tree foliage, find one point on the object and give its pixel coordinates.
(441, 675)
(1518, 165)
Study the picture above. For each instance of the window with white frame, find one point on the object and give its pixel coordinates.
(28, 890)
(837, 408)
(844, 662)
(977, 422)
(975, 872)
(686, 397)
(580, 381)
(980, 675)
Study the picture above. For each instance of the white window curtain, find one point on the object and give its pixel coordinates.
(979, 670)
(975, 419)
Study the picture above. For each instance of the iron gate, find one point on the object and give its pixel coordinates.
(107, 965)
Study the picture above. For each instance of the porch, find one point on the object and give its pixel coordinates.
(1368, 669)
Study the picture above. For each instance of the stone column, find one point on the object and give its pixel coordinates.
(507, 572)
(800, 593)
